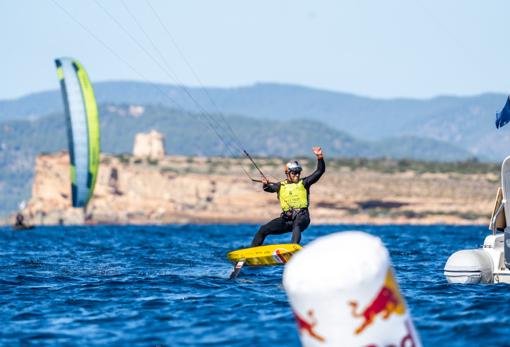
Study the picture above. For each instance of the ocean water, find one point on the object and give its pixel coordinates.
(168, 286)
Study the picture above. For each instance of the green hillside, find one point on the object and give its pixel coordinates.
(466, 122)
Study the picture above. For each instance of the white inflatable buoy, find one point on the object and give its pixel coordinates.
(343, 292)
(469, 266)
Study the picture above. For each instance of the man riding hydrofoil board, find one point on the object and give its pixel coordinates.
(294, 196)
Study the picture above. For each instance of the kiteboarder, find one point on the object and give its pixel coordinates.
(20, 223)
(294, 197)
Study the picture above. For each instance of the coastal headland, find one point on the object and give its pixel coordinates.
(178, 189)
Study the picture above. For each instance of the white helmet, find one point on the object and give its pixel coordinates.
(293, 166)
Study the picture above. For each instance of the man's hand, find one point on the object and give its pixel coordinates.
(264, 180)
(317, 151)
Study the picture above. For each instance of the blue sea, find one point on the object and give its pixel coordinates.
(169, 286)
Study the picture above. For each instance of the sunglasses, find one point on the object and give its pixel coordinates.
(295, 173)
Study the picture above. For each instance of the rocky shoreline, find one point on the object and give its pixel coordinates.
(177, 190)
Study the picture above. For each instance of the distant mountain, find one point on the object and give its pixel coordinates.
(466, 122)
(190, 133)
(405, 147)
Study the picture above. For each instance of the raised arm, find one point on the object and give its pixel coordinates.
(321, 168)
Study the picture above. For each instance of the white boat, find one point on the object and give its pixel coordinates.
(491, 263)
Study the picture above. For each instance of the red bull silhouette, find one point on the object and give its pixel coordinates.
(308, 327)
(387, 301)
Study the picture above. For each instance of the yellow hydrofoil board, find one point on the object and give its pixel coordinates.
(262, 256)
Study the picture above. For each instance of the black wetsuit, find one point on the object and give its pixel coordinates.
(292, 221)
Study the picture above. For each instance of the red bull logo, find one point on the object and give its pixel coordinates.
(388, 301)
(281, 255)
(308, 327)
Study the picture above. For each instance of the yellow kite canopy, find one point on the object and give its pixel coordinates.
(82, 128)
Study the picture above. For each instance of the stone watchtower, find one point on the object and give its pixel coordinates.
(149, 145)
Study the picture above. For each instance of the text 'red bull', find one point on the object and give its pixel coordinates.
(407, 340)
(387, 301)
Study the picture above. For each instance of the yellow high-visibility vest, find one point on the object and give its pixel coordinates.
(292, 195)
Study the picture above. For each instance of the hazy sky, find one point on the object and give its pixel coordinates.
(391, 48)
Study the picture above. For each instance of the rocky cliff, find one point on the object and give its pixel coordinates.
(176, 189)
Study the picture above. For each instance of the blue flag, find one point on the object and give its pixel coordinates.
(503, 117)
